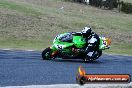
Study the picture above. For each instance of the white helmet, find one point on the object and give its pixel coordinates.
(86, 31)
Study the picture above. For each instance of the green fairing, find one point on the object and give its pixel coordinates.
(69, 46)
(79, 41)
(101, 44)
(57, 43)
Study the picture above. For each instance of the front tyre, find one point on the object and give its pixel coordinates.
(88, 59)
(46, 54)
(98, 54)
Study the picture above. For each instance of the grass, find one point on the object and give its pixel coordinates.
(130, 1)
(32, 24)
(18, 7)
(24, 44)
(120, 49)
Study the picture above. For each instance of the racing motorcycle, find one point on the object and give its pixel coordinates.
(67, 46)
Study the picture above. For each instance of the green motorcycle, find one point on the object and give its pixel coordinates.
(68, 46)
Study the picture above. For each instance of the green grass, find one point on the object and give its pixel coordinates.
(18, 7)
(34, 24)
(130, 1)
(24, 44)
(120, 49)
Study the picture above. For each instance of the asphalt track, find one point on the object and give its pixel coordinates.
(21, 68)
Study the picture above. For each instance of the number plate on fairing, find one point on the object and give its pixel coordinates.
(59, 46)
(104, 43)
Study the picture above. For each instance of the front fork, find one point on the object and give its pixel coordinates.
(54, 52)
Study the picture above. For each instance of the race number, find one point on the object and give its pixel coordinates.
(104, 42)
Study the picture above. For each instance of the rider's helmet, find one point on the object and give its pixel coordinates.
(86, 31)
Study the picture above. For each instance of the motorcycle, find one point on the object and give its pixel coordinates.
(67, 46)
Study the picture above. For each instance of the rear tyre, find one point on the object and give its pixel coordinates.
(46, 54)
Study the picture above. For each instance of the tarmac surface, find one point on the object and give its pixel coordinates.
(22, 68)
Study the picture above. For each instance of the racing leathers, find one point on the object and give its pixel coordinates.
(92, 44)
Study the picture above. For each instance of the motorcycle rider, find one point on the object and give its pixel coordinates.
(92, 40)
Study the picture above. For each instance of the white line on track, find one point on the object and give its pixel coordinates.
(5, 49)
(18, 49)
(75, 86)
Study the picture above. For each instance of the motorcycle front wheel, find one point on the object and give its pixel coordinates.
(46, 54)
(95, 56)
